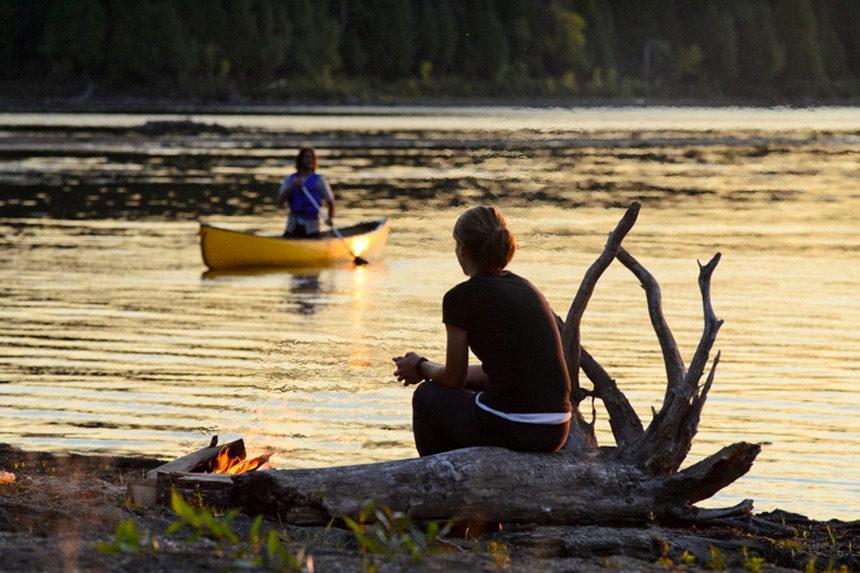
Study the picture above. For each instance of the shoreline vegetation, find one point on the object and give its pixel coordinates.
(77, 54)
(68, 512)
(157, 106)
(111, 103)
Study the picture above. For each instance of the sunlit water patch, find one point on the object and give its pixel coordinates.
(115, 338)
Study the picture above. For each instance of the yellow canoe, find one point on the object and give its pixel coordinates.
(226, 249)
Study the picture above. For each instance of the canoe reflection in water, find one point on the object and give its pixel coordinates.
(304, 294)
(304, 289)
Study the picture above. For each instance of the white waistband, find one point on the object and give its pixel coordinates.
(532, 418)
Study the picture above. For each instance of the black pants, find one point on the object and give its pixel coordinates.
(445, 419)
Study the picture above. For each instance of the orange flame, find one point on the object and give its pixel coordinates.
(227, 464)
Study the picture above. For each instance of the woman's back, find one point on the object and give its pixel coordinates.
(524, 399)
(512, 331)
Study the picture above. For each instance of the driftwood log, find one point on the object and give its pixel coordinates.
(634, 482)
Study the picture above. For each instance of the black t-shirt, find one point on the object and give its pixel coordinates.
(513, 333)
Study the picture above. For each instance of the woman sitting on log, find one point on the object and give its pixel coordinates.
(518, 397)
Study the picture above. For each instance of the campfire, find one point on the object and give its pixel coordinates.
(227, 463)
(218, 463)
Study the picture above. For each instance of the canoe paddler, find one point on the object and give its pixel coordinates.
(305, 191)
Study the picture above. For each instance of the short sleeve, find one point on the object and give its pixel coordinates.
(288, 179)
(455, 308)
(324, 188)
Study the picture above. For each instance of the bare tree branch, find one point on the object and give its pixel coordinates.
(570, 337)
(623, 419)
(712, 327)
(705, 478)
(668, 438)
(671, 356)
(625, 423)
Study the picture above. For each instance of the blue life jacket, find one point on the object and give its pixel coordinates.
(300, 205)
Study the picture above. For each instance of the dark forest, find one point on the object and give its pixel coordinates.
(768, 51)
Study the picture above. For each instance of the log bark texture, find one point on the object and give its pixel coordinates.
(497, 485)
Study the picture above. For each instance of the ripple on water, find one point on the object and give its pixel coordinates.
(114, 339)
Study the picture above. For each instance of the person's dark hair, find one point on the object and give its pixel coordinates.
(304, 150)
(484, 234)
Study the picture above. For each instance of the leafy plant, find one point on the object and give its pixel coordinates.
(391, 534)
(752, 563)
(687, 558)
(268, 552)
(203, 520)
(499, 557)
(127, 540)
(717, 561)
(664, 555)
(340, 542)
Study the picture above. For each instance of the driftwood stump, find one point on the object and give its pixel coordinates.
(633, 482)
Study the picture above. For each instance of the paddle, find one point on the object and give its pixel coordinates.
(355, 258)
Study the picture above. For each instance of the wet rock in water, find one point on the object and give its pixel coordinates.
(181, 127)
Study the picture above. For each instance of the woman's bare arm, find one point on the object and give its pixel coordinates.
(455, 373)
(477, 378)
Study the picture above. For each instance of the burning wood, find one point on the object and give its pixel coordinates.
(217, 464)
(227, 463)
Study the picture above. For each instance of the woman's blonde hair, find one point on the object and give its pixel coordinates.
(484, 234)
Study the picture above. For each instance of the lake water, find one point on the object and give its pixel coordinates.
(115, 339)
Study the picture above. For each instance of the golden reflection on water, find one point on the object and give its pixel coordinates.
(358, 357)
(150, 357)
(115, 339)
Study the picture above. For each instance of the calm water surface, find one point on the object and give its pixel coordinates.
(115, 339)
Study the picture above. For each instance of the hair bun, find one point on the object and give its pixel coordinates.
(484, 234)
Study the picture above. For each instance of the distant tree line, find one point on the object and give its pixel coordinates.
(591, 48)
